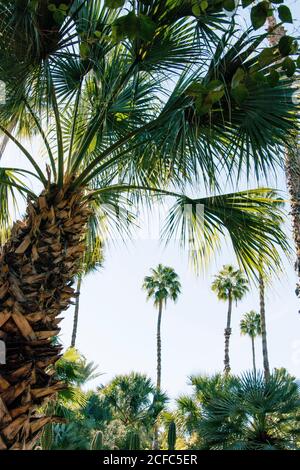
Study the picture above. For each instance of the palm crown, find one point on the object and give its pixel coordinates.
(94, 84)
(230, 282)
(162, 285)
(250, 324)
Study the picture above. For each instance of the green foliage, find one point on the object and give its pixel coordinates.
(133, 441)
(243, 413)
(172, 436)
(97, 441)
(133, 26)
(250, 324)
(230, 282)
(95, 92)
(259, 14)
(114, 3)
(162, 285)
(201, 224)
(285, 14)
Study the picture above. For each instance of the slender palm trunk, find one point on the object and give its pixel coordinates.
(158, 338)
(76, 312)
(263, 327)
(37, 266)
(158, 373)
(253, 355)
(227, 334)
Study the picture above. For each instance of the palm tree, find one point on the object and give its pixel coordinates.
(245, 413)
(91, 261)
(230, 285)
(262, 311)
(90, 82)
(292, 159)
(162, 285)
(251, 325)
(135, 402)
(65, 432)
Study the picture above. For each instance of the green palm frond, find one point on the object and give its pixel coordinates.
(12, 185)
(251, 219)
(244, 413)
(250, 324)
(182, 106)
(163, 284)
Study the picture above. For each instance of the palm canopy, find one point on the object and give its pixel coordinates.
(134, 400)
(242, 413)
(250, 324)
(143, 100)
(162, 285)
(230, 283)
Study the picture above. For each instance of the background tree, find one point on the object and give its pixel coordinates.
(161, 286)
(136, 403)
(251, 414)
(292, 155)
(64, 431)
(230, 285)
(263, 324)
(92, 260)
(91, 82)
(251, 326)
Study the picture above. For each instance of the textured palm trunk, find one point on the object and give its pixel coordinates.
(76, 313)
(292, 170)
(37, 267)
(227, 334)
(253, 354)
(158, 373)
(292, 165)
(264, 328)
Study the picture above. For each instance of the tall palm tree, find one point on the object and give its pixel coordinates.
(161, 286)
(251, 325)
(230, 285)
(92, 260)
(90, 82)
(262, 311)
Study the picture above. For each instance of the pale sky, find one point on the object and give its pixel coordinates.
(117, 327)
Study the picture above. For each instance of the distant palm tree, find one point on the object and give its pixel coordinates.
(262, 311)
(230, 284)
(251, 325)
(91, 261)
(162, 285)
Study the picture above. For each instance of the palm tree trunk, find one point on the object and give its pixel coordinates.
(264, 327)
(37, 267)
(292, 166)
(253, 355)
(76, 312)
(227, 334)
(292, 171)
(158, 376)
